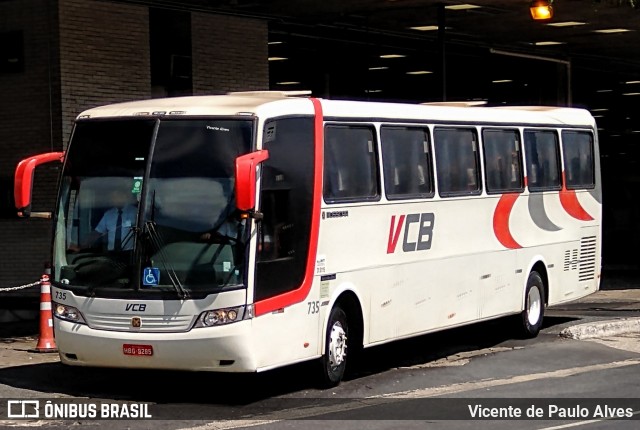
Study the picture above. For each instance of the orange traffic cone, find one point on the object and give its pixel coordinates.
(46, 343)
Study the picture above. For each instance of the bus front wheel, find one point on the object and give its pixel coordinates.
(334, 360)
(533, 312)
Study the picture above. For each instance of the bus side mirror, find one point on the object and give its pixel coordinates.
(23, 184)
(246, 179)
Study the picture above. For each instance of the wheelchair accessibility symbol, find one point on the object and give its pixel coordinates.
(151, 276)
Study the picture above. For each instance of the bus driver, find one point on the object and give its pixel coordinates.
(115, 224)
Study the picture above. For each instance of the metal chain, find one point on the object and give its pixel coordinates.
(21, 287)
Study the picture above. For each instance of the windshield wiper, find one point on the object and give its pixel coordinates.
(128, 237)
(156, 241)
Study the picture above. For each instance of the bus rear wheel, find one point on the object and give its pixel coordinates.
(533, 313)
(334, 360)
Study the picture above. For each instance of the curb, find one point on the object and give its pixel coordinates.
(602, 329)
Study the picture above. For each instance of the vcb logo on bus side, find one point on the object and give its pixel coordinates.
(417, 238)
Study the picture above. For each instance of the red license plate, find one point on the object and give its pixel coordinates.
(133, 349)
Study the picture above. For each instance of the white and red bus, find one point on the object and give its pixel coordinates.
(265, 230)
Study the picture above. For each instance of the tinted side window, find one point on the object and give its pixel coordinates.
(577, 151)
(457, 163)
(285, 202)
(406, 158)
(350, 164)
(543, 165)
(502, 160)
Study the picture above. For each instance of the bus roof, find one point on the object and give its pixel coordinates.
(275, 103)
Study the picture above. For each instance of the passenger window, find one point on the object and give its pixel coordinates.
(350, 164)
(577, 151)
(502, 160)
(457, 164)
(406, 159)
(543, 161)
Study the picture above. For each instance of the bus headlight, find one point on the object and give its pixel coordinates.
(68, 313)
(224, 316)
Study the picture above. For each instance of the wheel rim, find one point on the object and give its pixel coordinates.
(534, 301)
(337, 345)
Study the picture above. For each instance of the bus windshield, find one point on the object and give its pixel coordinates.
(147, 208)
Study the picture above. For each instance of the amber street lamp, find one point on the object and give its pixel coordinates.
(541, 10)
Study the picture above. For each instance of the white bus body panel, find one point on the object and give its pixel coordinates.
(289, 335)
(466, 275)
(165, 326)
(199, 349)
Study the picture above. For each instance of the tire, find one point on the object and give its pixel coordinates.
(334, 360)
(533, 313)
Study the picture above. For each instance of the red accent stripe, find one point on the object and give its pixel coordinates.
(299, 294)
(394, 235)
(570, 203)
(501, 221)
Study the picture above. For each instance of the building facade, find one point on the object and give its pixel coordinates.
(63, 56)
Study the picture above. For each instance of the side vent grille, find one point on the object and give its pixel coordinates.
(587, 269)
(570, 260)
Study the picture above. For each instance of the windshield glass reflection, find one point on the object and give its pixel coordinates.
(182, 237)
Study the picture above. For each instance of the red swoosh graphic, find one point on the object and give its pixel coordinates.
(570, 203)
(501, 221)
